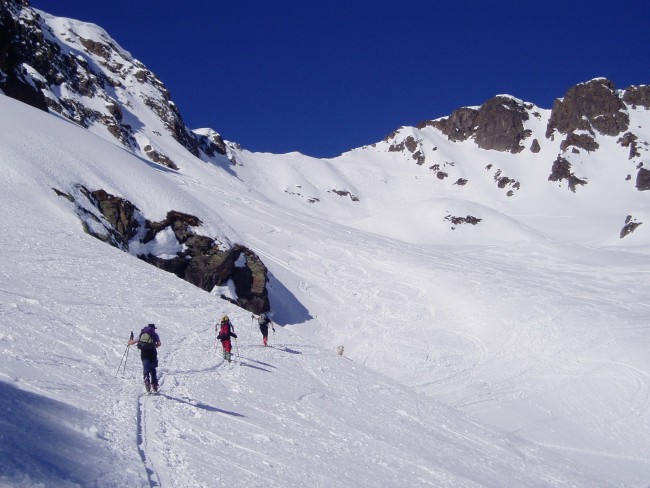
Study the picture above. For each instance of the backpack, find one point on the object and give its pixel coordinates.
(146, 340)
(224, 332)
(263, 319)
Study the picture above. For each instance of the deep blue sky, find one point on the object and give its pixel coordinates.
(323, 77)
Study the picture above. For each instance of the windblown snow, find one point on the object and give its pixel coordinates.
(513, 353)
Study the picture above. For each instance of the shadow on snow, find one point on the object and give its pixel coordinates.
(284, 304)
(47, 442)
(202, 406)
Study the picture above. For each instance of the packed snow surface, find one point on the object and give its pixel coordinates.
(496, 355)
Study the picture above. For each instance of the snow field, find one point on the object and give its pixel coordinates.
(518, 364)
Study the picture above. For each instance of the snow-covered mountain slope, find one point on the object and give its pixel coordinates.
(573, 173)
(510, 193)
(486, 273)
(77, 70)
(294, 414)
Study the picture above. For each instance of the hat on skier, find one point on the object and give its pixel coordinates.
(153, 326)
(225, 318)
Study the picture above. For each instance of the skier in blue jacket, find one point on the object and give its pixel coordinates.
(148, 342)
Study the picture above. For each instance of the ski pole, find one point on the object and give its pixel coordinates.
(215, 347)
(122, 360)
(125, 357)
(237, 350)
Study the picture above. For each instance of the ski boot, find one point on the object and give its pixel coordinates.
(147, 385)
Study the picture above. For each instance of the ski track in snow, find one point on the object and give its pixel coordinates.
(480, 353)
(142, 427)
(475, 357)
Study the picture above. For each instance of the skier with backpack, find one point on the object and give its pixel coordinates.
(263, 321)
(226, 331)
(148, 342)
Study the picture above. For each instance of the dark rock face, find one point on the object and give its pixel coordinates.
(498, 125)
(455, 220)
(93, 68)
(562, 171)
(643, 179)
(119, 213)
(202, 260)
(630, 226)
(412, 145)
(589, 106)
(16, 83)
(250, 282)
(630, 140)
(158, 157)
(346, 193)
(211, 144)
(535, 147)
(583, 141)
(459, 126)
(638, 96)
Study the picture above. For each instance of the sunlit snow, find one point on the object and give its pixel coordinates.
(515, 363)
(509, 353)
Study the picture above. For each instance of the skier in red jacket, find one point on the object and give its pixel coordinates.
(226, 331)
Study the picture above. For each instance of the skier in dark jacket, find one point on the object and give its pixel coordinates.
(226, 331)
(148, 342)
(263, 321)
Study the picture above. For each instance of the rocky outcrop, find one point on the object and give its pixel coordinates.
(637, 96)
(535, 147)
(61, 72)
(456, 221)
(497, 125)
(643, 179)
(211, 143)
(119, 213)
(346, 193)
(630, 226)
(500, 125)
(630, 140)
(561, 170)
(200, 260)
(504, 182)
(582, 141)
(412, 145)
(459, 126)
(18, 40)
(589, 107)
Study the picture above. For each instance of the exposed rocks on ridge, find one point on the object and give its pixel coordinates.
(630, 225)
(643, 179)
(637, 96)
(62, 75)
(346, 193)
(561, 170)
(498, 124)
(589, 107)
(412, 145)
(470, 219)
(200, 260)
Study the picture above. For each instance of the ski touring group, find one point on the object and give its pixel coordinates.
(148, 342)
(225, 330)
